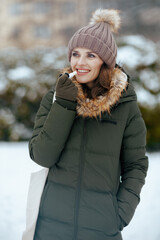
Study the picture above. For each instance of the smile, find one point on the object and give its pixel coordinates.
(82, 71)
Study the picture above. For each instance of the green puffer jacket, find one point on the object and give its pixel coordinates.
(96, 160)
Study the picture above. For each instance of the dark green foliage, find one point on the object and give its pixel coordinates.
(152, 121)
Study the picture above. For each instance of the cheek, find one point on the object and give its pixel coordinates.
(72, 63)
(97, 69)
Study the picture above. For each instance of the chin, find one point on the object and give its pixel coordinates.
(82, 80)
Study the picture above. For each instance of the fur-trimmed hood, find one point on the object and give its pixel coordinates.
(121, 90)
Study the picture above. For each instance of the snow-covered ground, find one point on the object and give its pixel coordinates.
(15, 169)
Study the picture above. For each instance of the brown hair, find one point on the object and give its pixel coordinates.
(101, 84)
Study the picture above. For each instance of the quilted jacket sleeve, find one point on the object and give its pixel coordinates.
(134, 164)
(52, 127)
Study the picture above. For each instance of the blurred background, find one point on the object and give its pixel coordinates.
(33, 49)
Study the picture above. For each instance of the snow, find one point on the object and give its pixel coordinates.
(7, 116)
(128, 55)
(15, 170)
(14, 178)
(138, 51)
(145, 98)
(150, 79)
(3, 81)
(20, 131)
(21, 73)
(21, 92)
(139, 41)
(55, 58)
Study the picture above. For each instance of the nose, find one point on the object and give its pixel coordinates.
(81, 60)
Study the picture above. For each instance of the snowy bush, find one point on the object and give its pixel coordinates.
(25, 77)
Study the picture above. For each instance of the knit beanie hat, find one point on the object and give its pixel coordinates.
(98, 37)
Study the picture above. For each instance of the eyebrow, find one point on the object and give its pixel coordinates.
(86, 52)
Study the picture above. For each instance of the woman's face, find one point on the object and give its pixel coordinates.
(87, 64)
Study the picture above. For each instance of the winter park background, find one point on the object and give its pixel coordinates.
(26, 74)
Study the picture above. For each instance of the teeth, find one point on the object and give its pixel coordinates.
(83, 71)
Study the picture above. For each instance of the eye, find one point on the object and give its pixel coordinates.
(74, 54)
(91, 55)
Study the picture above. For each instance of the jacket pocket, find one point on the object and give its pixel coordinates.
(112, 219)
(115, 203)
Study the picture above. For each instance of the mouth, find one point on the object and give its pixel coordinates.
(81, 71)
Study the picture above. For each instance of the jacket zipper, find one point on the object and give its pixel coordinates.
(78, 194)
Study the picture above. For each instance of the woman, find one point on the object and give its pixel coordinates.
(92, 139)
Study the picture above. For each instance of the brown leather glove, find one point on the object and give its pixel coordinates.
(66, 89)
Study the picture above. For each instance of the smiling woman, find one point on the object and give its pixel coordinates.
(92, 140)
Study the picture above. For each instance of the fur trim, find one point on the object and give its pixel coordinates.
(110, 16)
(95, 107)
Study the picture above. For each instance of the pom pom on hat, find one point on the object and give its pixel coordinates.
(110, 16)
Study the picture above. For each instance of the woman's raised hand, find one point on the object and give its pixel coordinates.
(65, 88)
